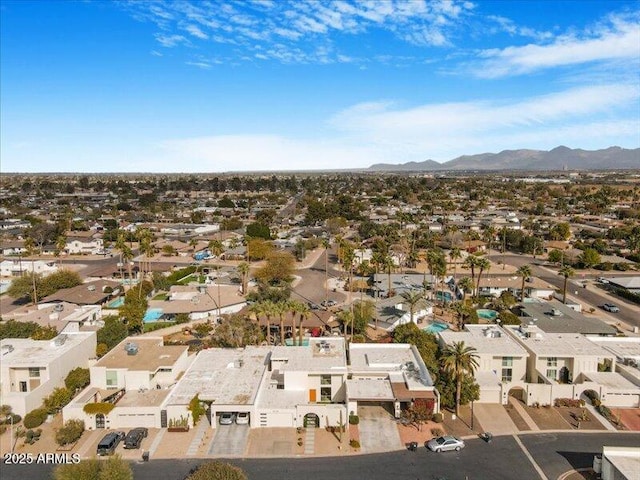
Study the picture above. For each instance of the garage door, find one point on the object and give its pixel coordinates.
(489, 396)
(276, 420)
(133, 420)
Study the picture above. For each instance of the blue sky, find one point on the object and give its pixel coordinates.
(164, 86)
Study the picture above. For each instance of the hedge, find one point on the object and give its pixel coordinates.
(35, 418)
(98, 407)
(569, 402)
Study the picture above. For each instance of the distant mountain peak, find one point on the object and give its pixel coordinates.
(557, 159)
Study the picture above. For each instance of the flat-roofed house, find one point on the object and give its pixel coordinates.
(131, 382)
(502, 362)
(31, 369)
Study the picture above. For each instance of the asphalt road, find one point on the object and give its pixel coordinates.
(503, 459)
(592, 295)
(310, 288)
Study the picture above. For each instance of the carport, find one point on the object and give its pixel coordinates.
(370, 392)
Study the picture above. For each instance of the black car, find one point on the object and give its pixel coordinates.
(109, 442)
(134, 437)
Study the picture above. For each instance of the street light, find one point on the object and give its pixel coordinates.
(472, 415)
(10, 417)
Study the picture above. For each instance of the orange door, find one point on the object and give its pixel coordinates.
(312, 395)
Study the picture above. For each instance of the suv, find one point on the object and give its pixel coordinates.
(109, 443)
(610, 307)
(134, 437)
(242, 418)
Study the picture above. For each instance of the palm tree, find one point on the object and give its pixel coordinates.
(266, 308)
(525, 272)
(466, 285)
(243, 270)
(388, 265)
(459, 360)
(454, 255)
(345, 317)
(483, 264)
(567, 272)
(121, 245)
(413, 298)
(471, 262)
(280, 308)
(216, 247)
(302, 310)
(326, 244)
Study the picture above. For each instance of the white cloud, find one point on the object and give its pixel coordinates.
(170, 40)
(621, 40)
(196, 32)
(373, 132)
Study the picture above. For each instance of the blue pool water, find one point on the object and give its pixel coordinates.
(152, 315)
(436, 327)
(289, 342)
(117, 303)
(446, 296)
(486, 314)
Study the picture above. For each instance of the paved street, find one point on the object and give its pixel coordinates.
(591, 295)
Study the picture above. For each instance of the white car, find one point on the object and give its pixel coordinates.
(242, 418)
(442, 444)
(226, 418)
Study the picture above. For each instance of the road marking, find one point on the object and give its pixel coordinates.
(533, 462)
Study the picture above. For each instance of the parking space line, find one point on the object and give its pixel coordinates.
(533, 462)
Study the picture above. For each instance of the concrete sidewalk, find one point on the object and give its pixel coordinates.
(495, 419)
(523, 414)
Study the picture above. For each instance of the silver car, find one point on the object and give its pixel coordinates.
(227, 418)
(442, 444)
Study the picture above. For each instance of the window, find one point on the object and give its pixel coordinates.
(23, 386)
(507, 361)
(325, 394)
(507, 374)
(34, 372)
(112, 378)
(552, 362)
(325, 380)
(552, 373)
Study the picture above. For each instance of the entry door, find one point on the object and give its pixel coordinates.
(312, 395)
(100, 422)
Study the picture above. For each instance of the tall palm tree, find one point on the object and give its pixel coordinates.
(466, 285)
(121, 245)
(483, 265)
(303, 310)
(471, 262)
(454, 255)
(459, 360)
(412, 298)
(326, 244)
(243, 270)
(280, 309)
(264, 308)
(567, 272)
(345, 317)
(525, 272)
(388, 265)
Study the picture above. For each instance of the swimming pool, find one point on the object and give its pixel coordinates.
(290, 342)
(435, 327)
(486, 314)
(443, 296)
(152, 315)
(117, 303)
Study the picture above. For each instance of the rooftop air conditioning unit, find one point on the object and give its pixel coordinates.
(131, 348)
(91, 288)
(58, 307)
(555, 312)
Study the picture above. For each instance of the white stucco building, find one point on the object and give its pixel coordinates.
(18, 267)
(31, 369)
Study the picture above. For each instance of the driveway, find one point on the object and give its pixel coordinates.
(494, 418)
(230, 440)
(378, 430)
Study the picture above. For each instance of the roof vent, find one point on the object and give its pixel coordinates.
(6, 349)
(131, 348)
(555, 312)
(58, 307)
(91, 288)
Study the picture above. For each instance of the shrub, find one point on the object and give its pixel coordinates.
(70, 432)
(569, 402)
(11, 418)
(217, 471)
(354, 419)
(77, 379)
(354, 443)
(58, 399)
(438, 418)
(35, 418)
(437, 432)
(196, 409)
(98, 407)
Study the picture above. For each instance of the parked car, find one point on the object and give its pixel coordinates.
(610, 307)
(226, 418)
(242, 418)
(109, 442)
(328, 303)
(134, 437)
(442, 444)
(602, 280)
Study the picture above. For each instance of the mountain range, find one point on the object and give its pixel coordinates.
(557, 159)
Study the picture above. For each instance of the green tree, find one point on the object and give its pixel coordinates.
(84, 470)
(524, 272)
(243, 269)
(363, 313)
(115, 468)
(60, 397)
(447, 387)
(556, 256)
(567, 272)
(560, 231)
(258, 249)
(112, 332)
(259, 230)
(217, 471)
(278, 269)
(14, 329)
(426, 344)
(70, 432)
(466, 285)
(483, 265)
(77, 379)
(590, 258)
(459, 360)
(23, 287)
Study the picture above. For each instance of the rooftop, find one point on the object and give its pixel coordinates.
(556, 344)
(555, 317)
(622, 347)
(490, 339)
(187, 299)
(625, 459)
(612, 380)
(151, 354)
(90, 293)
(322, 354)
(25, 352)
(369, 389)
(225, 376)
(400, 360)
